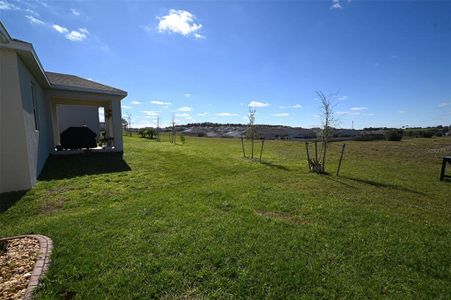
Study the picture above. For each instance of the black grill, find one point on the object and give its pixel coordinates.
(78, 137)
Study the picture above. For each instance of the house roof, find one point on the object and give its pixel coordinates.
(72, 82)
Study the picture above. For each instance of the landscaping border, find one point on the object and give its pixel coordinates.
(42, 262)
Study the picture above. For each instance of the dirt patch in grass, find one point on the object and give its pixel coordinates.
(50, 207)
(281, 216)
(58, 190)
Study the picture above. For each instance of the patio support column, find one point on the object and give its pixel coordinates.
(55, 125)
(108, 123)
(117, 125)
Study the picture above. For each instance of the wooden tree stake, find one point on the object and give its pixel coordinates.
(341, 157)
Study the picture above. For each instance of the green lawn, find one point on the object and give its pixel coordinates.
(199, 221)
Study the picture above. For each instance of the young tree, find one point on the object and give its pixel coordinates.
(173, 135)
(251, 128)
(157, 133)
(129, 122)
(327, 119)
(124, 125)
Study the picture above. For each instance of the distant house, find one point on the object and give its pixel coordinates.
(36, 106)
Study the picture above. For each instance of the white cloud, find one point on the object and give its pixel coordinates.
(182, 115)
(151, 113)
(225, 114)
(204, 114)
(136, 102)
(199, 36)
(296, 106)
(75, 12)
(336, 4)
(74, 35)
(34, 20)
(351, 112)
(444, 104)
(341, 98)
(257, 104)
(126, 106)
(401, 111)
(30, 11)
(160, 103)
(358, 108)
(60, 29)
(187, 95)
(281, 115)
(5, 5)
(184, 108)
(181, 22)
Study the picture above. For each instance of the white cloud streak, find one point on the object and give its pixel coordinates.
(136, 102)
(75, 11)
(184, 108)
(151, 113)
(358, 108)
(226, 114)
(257, 104)
(156, 102)
(5, 5)
(281, 115)
(444, 104)
(73, 35)
(34, 21)
(336, 5)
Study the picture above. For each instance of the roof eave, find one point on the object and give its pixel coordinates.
(120, 93)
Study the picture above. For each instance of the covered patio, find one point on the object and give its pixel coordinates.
(69, 90)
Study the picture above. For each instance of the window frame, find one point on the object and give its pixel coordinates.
(34, 102)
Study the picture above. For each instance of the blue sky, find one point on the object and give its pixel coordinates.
(389, 63)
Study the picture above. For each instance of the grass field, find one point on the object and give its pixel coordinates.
(199, 221)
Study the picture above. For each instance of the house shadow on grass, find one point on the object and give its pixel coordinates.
(384, 185)
(68, 166)
(9, 199)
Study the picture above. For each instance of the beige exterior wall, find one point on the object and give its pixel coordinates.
(14, 163)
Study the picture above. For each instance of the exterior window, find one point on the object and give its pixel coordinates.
(35, 106)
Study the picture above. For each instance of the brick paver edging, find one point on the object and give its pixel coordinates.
(42, 261)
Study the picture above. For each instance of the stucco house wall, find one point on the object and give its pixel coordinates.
(13, 148)
(37, 140)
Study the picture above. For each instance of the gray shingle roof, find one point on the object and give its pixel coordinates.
(72, 82)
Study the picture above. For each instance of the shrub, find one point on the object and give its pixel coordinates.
(142, 132)
(182, 138)
(427, 133)
(369, 137)
(394, 135)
